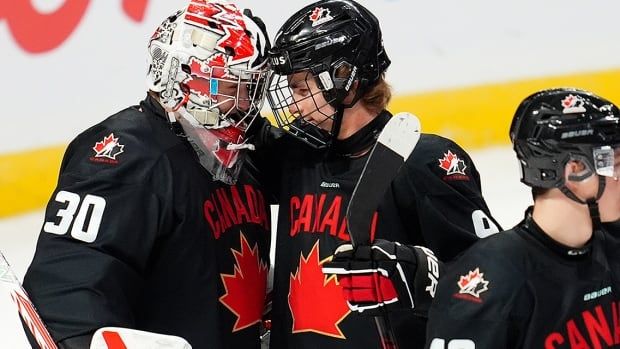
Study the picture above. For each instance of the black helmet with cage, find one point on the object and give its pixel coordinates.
(339, 44)
(555, 126)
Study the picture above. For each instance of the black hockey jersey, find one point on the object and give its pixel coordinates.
(138, 235)
(521, 289)
(435, 201)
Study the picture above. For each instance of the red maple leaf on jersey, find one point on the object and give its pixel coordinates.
(109, 147)
(446, 162)
(316, 301)
(250, 274)
(452, 164)
(473, 283)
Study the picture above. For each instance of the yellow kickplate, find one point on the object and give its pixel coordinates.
(474, 116)
(27, 179)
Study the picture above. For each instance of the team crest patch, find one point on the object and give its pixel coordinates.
(454, 167)
(573, 104)
(107, 150)
(320, 15)
(471, 286)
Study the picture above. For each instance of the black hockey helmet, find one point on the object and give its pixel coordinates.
(325, 39)
(554, 126)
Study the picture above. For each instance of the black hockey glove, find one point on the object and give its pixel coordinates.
(385, 275)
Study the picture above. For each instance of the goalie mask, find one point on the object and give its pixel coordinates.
(207, 63)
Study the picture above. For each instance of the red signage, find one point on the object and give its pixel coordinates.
(37, 32)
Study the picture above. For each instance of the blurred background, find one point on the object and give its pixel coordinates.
(461, 66)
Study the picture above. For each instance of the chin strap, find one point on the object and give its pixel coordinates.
(591, 202)
(337, 123)
(594, 213)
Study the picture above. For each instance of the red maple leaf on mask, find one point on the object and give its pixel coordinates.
(246, 287)
(227, 135)
(228, 19)
(316, 301)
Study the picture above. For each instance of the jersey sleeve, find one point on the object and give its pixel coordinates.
(272, 146)
(476, 301)
(101, 225)
(440, 198)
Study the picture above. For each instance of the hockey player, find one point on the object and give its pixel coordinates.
(328, 90)
(158, 222)
(548, 282)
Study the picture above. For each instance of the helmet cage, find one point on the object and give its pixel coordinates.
(221, 96)
(286, 107)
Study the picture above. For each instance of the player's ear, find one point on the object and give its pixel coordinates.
(576, 171)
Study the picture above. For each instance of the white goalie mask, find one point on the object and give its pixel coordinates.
(207, 63)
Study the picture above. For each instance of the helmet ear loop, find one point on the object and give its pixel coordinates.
(578, 177)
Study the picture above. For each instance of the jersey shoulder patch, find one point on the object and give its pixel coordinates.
(492, 269)
(441, 167)
(124, 147)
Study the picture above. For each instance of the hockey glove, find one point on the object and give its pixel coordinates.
(385, 275)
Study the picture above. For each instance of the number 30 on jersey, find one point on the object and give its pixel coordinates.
(86, 222)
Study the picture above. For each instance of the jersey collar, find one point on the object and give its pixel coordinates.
(566, 251)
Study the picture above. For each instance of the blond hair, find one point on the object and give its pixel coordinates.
(378, 95)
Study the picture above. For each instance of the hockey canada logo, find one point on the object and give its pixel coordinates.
(107, 150)
(573, 104)
(454, 167)
(320, 15)
(471, 286)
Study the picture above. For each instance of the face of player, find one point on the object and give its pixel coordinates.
(233, 95)
(308, 103)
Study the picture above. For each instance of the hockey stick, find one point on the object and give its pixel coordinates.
(396, 142)
(104, 338)
(24, 306)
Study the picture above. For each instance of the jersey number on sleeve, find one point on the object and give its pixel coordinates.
(482, 224)
(87, 221)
